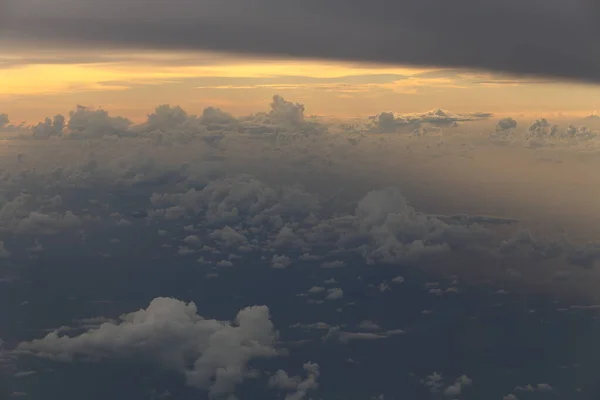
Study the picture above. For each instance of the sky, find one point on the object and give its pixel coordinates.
(408, 56)
(283, 200)
(35, 83)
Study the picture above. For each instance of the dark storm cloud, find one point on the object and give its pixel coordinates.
(540, 37)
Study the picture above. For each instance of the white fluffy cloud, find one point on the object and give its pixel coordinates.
(229, 237)
(211, 354)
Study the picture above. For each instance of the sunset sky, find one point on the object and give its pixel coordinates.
(130, 56)
(299, 199)
(38, 81)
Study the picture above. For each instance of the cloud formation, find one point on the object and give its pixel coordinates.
(387, 122)
(513, 36)
(299, 387)
(211, 354)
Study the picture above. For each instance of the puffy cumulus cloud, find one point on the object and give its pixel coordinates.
(239, 199)
(49, 128)
(298, 387)
(229, 237)
(284, 117)
(216, 119)
(316, 289)
(457, 387)
(286, 238)
(166, 118)
(172, 123)
(280, 261)
(236, 211)
(542, 133)
(504, 133)
(47, 224)
(286, 112)
(388, 122)
(506, 124)
(541, 128)
(194, 185)
(168, 126)
(144, 170)
(212, 355)
(7, 126)
(525, 242)
(383, 228)
(579, 132)
(437, 384)
(394, 231)
(87, 123)
(283, 129)
(25, 215)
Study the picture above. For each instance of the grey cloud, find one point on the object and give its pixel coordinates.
(169, 122)
(388, 122)
(49, 128)
(95, 123)
(49, 55)
(299, 387)
(513, 36)
(506, 124)
(337, 334)
(584, 255)
(22, 215)
(437, 384)
(475, 219)
(542, 133)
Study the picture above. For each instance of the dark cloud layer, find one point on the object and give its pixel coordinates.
(553, 38)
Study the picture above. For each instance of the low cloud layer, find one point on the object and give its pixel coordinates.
(513, 36)
(323, 223)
